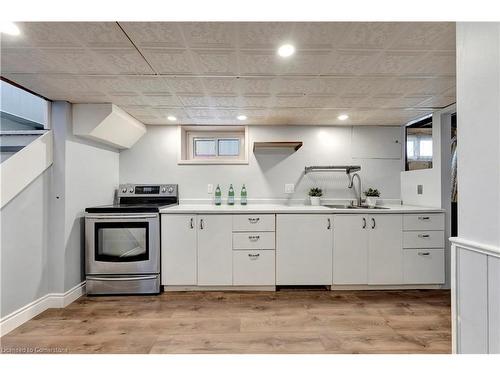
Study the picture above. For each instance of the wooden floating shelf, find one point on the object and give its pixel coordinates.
(270, 145)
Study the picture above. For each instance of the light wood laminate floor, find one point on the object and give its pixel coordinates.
(243, 322)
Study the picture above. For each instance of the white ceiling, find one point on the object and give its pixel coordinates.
(208, 73)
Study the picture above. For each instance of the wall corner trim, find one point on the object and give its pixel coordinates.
(29, 311)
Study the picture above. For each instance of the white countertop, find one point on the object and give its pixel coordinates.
(282, 208)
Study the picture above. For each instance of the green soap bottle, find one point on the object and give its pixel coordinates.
(218, 196)
(243, 195)
(230, 195)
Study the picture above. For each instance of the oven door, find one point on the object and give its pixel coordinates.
(122, 244)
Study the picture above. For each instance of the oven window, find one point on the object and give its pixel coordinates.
(121, 242)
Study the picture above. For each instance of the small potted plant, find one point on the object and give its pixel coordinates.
(315, 194)
(371, 197)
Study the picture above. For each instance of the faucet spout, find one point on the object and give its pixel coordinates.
(351, 184)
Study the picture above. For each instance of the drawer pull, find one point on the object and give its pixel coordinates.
(364, 223)
(253, 238)
(423, 236)
(253, 256)
(421, 253)
(329, 226)
(253, 220)
(424, 218)
(191, 223)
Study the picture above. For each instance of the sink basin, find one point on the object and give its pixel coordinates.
(346, 206)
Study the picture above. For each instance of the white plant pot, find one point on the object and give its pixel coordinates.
(315, 201)
(371, 201)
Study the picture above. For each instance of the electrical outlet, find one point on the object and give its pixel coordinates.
(210, 188)
(420, 189)
(289, 188)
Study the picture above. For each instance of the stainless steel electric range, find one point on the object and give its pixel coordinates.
(122, 241)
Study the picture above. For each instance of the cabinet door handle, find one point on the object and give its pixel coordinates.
(191, 223)
(329, 224)
(253, 238)
(423, 218)
(364, 223)
(253, 220)
(373, 223)
(201, 223)
(253, 256)
(422, 253)
(423, 236)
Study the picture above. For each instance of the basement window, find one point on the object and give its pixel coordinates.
(213, 145)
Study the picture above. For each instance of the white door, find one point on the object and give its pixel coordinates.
(494, 304)
(215, 258)
(385, 249)
(304, 249)
(178, 250)
(350, 249)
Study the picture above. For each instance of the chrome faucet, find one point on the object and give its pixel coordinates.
(351, 184)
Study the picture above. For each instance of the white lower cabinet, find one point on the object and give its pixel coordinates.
(350, 250)
(385, 254)
(253, 267)
(215, 264)
(179, 254)
(423, 266)
(368, 249)
(304, 245)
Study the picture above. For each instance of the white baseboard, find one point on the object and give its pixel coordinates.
(50, 300)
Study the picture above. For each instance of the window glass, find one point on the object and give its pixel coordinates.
(419, 145)
(204, 147)
(229, 147)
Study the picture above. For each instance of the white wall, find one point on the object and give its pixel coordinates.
(23, 257)
(85, 174)
(478, 124)
(153, 159)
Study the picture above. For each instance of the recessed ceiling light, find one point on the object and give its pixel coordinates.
(171, 118)
(9, 28)
(343, 117)
(242, 117)
(286, 50)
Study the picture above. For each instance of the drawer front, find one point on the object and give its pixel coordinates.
(423, 239)
(253, 223)
(253, 240)
(254, 267)
(423, 266)
(423, 222)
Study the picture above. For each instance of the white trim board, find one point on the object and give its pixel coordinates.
(476, 246)
(48, 301)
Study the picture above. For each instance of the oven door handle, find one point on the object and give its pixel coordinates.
(122, 278)
(125, 217)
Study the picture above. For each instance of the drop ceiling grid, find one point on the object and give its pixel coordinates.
(219, 70)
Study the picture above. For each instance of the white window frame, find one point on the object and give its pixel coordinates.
(188, 134)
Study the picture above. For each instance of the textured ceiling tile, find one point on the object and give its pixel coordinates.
(209, 34)
(97, 34)
(426, 36)
(306, 62)
(294, 86)
(437, 63)
(41, 34)
(162, 100)
(75, 61)
(438, 101)
(329, 86)
(221, 85)
(154, 34)
(123, 61)
(22, 60)
(259, 62)
(395, 63)
(224, 101)
(349, 62)
(256, 100)
(129, 100)
(256, 85)
(264, 35)
(369, 35)
(194, 101)
(174, 61)
(216, 61)
(317, 35)
(186, 85)
(363, 85)
(151, 85)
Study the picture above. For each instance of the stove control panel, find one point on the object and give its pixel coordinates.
(143, 190)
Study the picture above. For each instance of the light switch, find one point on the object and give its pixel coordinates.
(420, 189)
(289, 188)
(210, 188)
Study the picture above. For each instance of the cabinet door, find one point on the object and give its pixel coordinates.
(350, 249)
(178, 250)
(494, 304)
(385, 249)
(304, 249)
(215, 258)
(472, 301)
